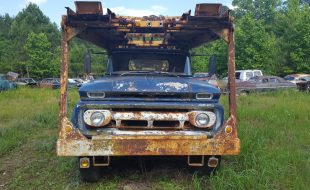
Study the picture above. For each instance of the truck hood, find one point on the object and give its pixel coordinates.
(148, 84)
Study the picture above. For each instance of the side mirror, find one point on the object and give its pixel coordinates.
(212, 66)
(87, 63)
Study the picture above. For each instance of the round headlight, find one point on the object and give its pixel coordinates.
(97, 118)
(202, 119)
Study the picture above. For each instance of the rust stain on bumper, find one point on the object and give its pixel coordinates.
(139, 145)
(73, 143)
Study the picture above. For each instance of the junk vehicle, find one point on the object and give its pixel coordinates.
(303, 83)
(301, 80)
(148, 103)
(244, 75)
(6, 84)
(52, 83)
(26, 82)
(295, 78)
(263, 84)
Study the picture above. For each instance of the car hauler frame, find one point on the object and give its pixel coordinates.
(110, 31)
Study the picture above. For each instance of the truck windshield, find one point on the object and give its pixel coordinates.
(148, 65)
(126, 62)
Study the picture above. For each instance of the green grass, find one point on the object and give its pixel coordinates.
(274, 129)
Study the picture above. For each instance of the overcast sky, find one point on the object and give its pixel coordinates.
(55, 8)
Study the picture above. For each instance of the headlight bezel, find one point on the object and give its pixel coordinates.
(89, 113)
(211, 115)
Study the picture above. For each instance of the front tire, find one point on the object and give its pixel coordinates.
(91, 174)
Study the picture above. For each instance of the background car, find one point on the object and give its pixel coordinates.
(81, 82)
(26, 82)
(304, 83)
(50, 83)
(72, 83)
(262, 84)
(294, 78)
(244, 75)
(6, 84)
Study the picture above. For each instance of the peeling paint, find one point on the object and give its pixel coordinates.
(173, 85)
(132, 87)
(148, 144)
(118, 86)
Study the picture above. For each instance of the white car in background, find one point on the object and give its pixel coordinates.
(245, 75)
(241, 75)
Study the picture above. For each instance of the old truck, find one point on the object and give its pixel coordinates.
(147, 103)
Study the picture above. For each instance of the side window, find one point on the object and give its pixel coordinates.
(289, 78)
(257, 73)
(307, 78)
(274, 80)
(249, 75)
(265, 80)
(238, 75)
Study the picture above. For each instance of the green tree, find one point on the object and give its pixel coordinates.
(293, 31)
(5, 45)
(217, 48)
(77, 50)
(38, 50)
(260, 9)
(30, 19)
(255, 48)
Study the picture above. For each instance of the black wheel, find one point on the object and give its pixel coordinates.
(206, 170)
(91, 174)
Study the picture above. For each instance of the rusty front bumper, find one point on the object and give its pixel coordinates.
(120, 143)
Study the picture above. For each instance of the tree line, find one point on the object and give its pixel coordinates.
(271, 35)
(30, 46)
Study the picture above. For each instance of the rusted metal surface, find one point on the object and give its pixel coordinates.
(143, 143)
(231, 76)
(64, 74)
(72, 142)
(208, 9)
(176, 32)
(124, 143)
(86, 7)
